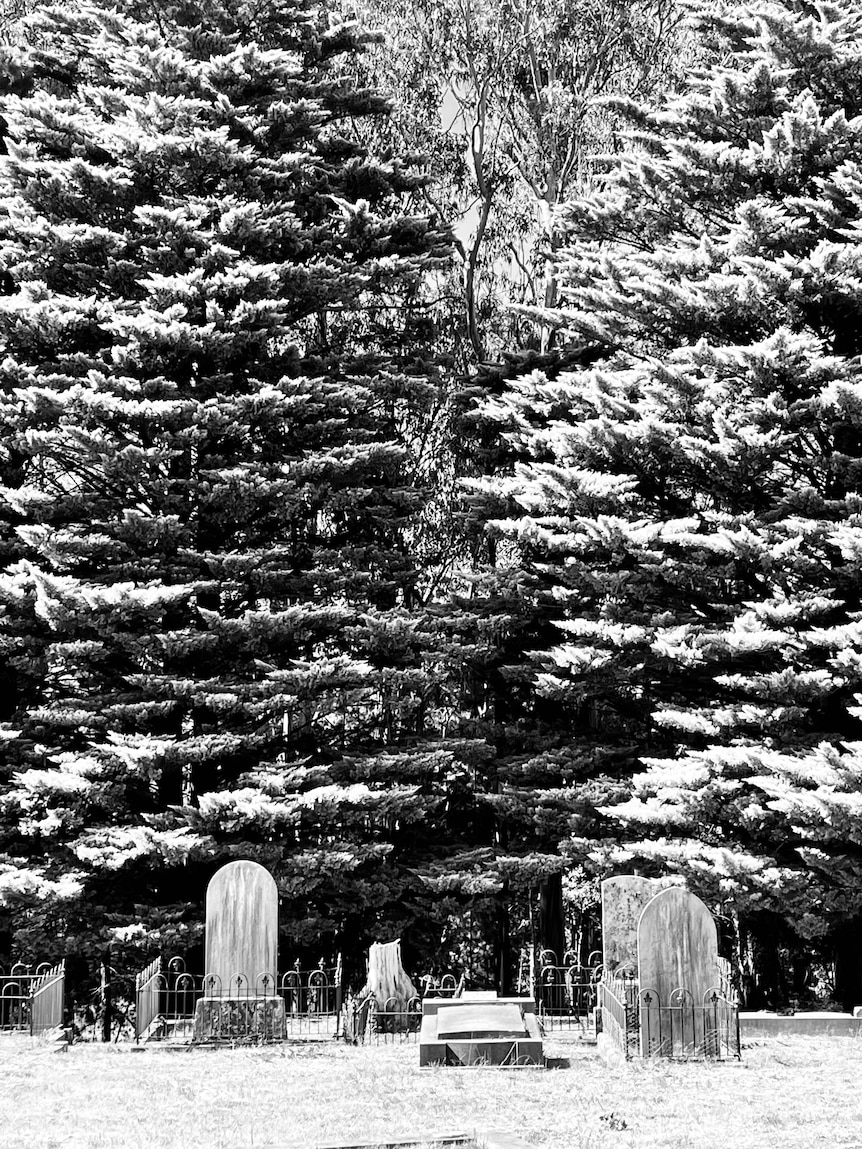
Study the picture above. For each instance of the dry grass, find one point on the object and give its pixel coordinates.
(791, 1093)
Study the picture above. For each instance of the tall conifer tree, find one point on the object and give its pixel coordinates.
(689, 506)
(212, 470)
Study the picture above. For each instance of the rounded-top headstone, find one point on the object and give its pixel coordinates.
(623, 900)
(241, 930)
(677, 946)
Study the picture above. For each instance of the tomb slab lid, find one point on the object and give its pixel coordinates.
(482, 1019)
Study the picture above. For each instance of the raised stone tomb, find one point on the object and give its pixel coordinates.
(481, 1020)
(459, 1031)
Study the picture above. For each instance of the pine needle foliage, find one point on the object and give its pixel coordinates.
(686, 510)
(212, 644)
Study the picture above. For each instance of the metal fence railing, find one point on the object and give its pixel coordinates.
(447, 985)
(15, 998)
(312, 999)
(638, 1022)
(148, 998)
(14, 1002)
(32, 1000)
(565, 992)
(47, 999)
(299, 1003)
(683, 1027)
(617, 997)
(395, 1021)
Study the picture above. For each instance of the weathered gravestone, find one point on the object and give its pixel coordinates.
(240, 980)
(623, 901)
(677, 947)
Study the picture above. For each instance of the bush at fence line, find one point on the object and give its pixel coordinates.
(87, 1020)
(354, 1018)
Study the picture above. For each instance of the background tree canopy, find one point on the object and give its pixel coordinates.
(430, 467)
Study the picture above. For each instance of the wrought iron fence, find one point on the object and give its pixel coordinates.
(149, 984)
(446, 985)
(31, 1000)
(397, 1021)
(618, 998)
(15, 998)
(637, 1021)
(683, 1027)
(47, 996)
(300, 1003)
(566, 993)
(313, 999)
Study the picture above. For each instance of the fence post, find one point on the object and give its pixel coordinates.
(105, 993)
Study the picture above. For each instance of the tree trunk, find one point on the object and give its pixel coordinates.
(107, 1010)
(763, 984)
(387, 981)
(848, 963)
(503, 950)
(552, 932)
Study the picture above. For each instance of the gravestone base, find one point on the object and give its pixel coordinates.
(239, 1019)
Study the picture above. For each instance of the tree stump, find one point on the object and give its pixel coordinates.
(388, 989)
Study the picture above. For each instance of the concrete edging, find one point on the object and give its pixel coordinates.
(487, 1139)
(808, 1024)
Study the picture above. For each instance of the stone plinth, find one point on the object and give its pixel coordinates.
(501, 1032)
(239, 1018)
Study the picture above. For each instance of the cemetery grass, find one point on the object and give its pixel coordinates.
(792, 1093)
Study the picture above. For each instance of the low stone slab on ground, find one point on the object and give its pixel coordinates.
(487, 1138)
(812, 1023)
